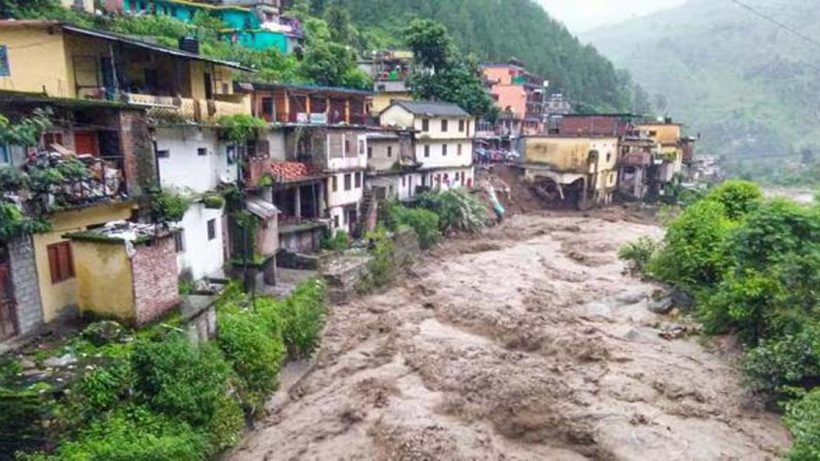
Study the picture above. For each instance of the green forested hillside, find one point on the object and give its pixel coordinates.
(751, 88)
(498, 30)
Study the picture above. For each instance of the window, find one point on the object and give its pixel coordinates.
(389, 151)
(608, 156)
(211, 229)
(444, 150)
(60, 262)
(336, 221)
(361, 147)
(369, 151)
(459, 149)
(163, 154)
(425, 124)
(5, 155)
(335, 185)
(267, 108)
(426, 151)
(52, 138)
(358, 180)
(179, 242)
(444, 126)
(456, 177)
(403, 180)
(202, 151)
(347, 182)
(5, 70)
(461, 126)
(347, 147)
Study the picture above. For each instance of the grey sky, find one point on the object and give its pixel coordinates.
(582, 15)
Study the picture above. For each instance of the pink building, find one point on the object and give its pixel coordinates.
(519, 95)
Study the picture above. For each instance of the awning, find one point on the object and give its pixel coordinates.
(261, 208)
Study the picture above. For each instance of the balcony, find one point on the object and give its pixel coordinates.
(638, 159)
(172, 109)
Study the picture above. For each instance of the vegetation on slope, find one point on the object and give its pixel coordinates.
(753, 267)
(749, 87)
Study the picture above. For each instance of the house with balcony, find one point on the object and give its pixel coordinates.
(103, 154)
(67, 61)
(576, 170)
(638, 166)
(256, 24)
(392, 169)
(390, 70)
(519, 95)
(318, 176)
(442, 141)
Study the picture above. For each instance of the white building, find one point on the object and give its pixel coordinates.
(442, 144)
(392, 170)
(193, 161)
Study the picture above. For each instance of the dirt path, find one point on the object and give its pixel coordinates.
(527, 343)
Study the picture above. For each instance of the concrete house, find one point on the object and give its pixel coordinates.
(442, 140)
(519, 95)
(392, 170)
(579, 170)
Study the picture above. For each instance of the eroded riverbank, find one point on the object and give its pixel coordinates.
(525, 343)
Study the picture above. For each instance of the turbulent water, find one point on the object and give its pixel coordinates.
(528, 342)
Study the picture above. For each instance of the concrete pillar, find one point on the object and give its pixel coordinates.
(297, 208)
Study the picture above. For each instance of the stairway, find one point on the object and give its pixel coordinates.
(369, 214)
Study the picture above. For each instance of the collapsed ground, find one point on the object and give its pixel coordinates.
(528, 342)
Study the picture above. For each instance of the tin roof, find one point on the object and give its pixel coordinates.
(261, 208)
(431, 108)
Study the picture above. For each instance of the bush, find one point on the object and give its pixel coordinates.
(693, 253)
(737, 197)
(168, 206)
(457, 210)
(303, 317)
(132, 434)
(424, 222)
(189, 382)
(638, 254)
(803, 420)
(382, 268)
(255, 352)
(789, 362)
(339, 241)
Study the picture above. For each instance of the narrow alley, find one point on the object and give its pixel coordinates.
(527, 343)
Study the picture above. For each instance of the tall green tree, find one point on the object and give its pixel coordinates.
(442, 74)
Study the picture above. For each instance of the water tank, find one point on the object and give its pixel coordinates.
(189, 44)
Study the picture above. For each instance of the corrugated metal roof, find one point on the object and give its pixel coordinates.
(310, 88)
(150, 46)
(432, 108)
(261, 208)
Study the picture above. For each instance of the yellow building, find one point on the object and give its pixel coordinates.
(668, 135)
(72, 62)
(57, 272)
(580, 169)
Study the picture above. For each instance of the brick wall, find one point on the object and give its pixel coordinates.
(137, 151)
(267, 237)
(154, 270)
(26, 288)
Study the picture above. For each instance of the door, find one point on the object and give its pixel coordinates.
(108, 78)
(85, 142)
(8, 320)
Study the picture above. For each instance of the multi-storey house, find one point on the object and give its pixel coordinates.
(519, 95)
(392, 169)
(318, 171)
(442, 141)
(390, 70)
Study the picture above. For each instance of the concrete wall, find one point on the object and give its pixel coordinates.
(448, 178)
(154, 271)
(184, 167)
(201, 257)
(381, 101)
(267, 237)
(400, 186)
(439, 159)
(340, 196)
(104, 280)
(37, 61)
(24, 280)
(383, 153)
(56, 297)
(397, 117)
(664, 133)
(436, 131)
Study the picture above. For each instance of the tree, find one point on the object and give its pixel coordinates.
(441, 74)
(338, 23)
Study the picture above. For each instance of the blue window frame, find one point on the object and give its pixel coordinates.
(5, 70)
(5, 155)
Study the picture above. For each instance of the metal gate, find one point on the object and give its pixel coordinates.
(8, 320)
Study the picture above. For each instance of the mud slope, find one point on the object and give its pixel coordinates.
(526, 343)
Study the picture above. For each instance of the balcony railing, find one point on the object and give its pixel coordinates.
(187, 109)
(636, 159)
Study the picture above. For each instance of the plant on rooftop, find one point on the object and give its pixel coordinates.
(168, 206)
(241, 128)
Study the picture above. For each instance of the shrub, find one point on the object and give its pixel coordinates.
(737, 197)
(381, 269)
(788, 362)
(339, 241)
(638, 254)
(95, 394)
(303, 317)
(168, 206)
(693, 254)
(255, 352)
(132, 434)
(803, 420)
(424, 222)
(189, 382)
(457, 209)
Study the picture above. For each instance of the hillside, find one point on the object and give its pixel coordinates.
(497, 30)
(749, 87)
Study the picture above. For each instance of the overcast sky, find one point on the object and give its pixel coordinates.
(582, 15)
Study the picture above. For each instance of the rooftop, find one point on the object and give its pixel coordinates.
(119, 38)
(307, 88)
(122, 231)
(431, 108)
(294, 171)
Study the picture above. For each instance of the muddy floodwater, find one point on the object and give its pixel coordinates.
(525, 343)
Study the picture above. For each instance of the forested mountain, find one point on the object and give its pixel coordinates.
(750, 87)
(498, 30)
